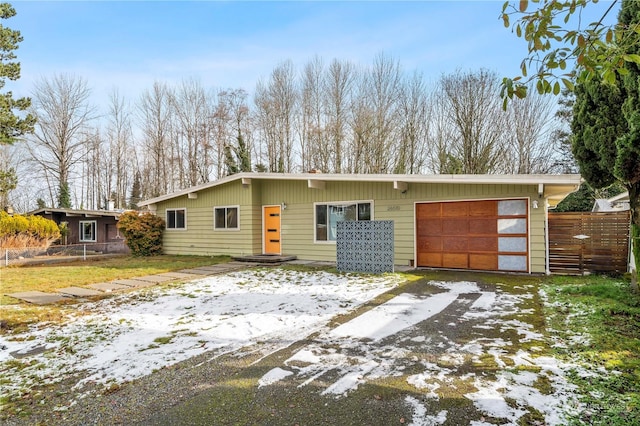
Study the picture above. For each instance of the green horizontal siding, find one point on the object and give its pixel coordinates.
(298, 218)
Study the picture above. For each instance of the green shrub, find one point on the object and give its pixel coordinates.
(143, 232)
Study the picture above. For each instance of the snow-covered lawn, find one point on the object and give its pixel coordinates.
(131, 335)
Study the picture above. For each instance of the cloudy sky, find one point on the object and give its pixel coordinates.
(128, 45)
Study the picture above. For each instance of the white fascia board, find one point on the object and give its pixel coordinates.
(547, 180)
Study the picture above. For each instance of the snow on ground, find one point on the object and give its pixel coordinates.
(378, 344)
(133, 334)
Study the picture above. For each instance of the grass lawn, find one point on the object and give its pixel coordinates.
(598, 318)
(48, 278)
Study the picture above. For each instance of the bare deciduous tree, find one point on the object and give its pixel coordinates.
(192, 107)
(313, 147)
(529, 131)
(475, 122)
(338, 88)
(414, 121)
(275, 103)
(380, 92)
(121, 152)
(235, 133)
(156, 125)
(63, 112)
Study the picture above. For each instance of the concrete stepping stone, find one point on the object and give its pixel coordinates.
(79, 292)
(179, 275)
(156, 279)
(214, 268)
(193, 271)
(39, 297)
(202, 271)
(131, 283)
(108, 287)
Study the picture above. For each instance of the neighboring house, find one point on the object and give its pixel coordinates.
(616, 203)
(85, 226)
(479, 222)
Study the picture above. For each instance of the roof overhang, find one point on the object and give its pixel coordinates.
(622, 197)
(78, 213)
(551, 187)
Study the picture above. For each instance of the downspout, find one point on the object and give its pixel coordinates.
(546, 236)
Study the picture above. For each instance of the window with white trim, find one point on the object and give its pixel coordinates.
(176, 218)
(327, 215)
(226, 218)
(88, 231)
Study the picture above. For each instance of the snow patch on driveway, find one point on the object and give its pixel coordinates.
(399, 313)
(380, 344)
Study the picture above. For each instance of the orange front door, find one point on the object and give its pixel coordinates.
(271, 233)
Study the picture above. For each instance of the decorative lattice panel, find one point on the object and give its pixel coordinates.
(365, 246)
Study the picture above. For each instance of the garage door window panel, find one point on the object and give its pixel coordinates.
(512, 208)
(512, 226)
(512, 263)
(512, 244)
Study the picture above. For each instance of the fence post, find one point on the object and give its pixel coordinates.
(84, 252)
(6, 257)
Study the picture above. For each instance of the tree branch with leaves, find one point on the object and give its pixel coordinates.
(563, 50)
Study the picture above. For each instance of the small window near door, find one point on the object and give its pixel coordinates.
(226, 218)
(88, 231)
(176, 219)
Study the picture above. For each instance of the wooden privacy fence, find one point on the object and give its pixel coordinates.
(588, 242)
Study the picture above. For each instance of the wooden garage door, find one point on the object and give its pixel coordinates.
(486, 235)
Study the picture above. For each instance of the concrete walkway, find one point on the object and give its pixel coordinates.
(80, 294)
(102, 288)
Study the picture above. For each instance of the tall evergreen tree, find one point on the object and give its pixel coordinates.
(606, 129)
(136, 192)
(244, 156)
(8, 182)
(566, 162)
(64, 197)
(230, 161)
(12, 125)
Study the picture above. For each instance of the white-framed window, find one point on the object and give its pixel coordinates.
(226, 217)
(88, 231)
(176, 218)
(327, 215)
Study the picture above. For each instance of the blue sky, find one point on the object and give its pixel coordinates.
(129, 45)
